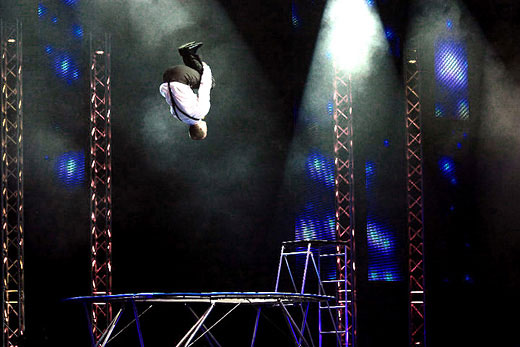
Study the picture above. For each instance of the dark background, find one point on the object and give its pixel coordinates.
(211, 215)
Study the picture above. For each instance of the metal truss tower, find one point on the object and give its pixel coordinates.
(100, 183)
(414, 157)
(344, 163)
(13, 316)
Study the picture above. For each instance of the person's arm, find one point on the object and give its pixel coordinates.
(204, 92)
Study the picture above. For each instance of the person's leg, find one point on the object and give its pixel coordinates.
(189, 55)
(188, 52)
(193, 61)
(182, 74)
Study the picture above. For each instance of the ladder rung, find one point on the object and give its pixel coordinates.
(293, 253)
(332, 307)
(333, 332)
(333, 281)
(332, 255)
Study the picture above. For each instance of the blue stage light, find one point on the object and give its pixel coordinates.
(70, 169)
(330, 108)
(389, 32)
(70, 3)
(77, 31)
(451, 65)
(320, 168)
(446, 165)
(447, 168)
(305, 229)
(316, 220)
(393, 41)
(42, 10)
(451, 74)
(449, 24)
(315, 224)
(376, 239)
(318, 224)
(383, 258)
(66, 67)
(370, 170)
(463, 108)
(49, 49)
(54, 19)
(383, 255)
(370, 3)
(386, 143)
(295, 18)
(439, 111)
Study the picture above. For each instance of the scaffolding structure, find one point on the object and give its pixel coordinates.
(13, 316)
(344, 192)
(314, 275)
(414, 157)
(100, 183)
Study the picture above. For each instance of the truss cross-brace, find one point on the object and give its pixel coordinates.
(13, 316)
(416, 296)
(344, 182)
(100, 183)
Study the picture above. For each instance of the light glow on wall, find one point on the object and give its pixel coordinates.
(451, 74)
(382, 244)
(70, 169)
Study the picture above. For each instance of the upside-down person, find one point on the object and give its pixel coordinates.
(178, 88)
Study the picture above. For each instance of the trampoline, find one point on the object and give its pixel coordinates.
(233, 299)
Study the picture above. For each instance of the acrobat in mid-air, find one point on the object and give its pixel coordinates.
(179, 85)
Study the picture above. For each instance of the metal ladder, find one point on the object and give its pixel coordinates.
(316, 253)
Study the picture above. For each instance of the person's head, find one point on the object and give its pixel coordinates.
(198, 131)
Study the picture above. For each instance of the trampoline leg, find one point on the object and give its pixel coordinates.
(138, 324)
(185, 341)
(294, 327)
(210, 335)
(89, 322)
(106, 336)
(305, 326)
(258, 311)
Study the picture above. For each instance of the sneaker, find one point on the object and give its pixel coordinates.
(189, 48)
